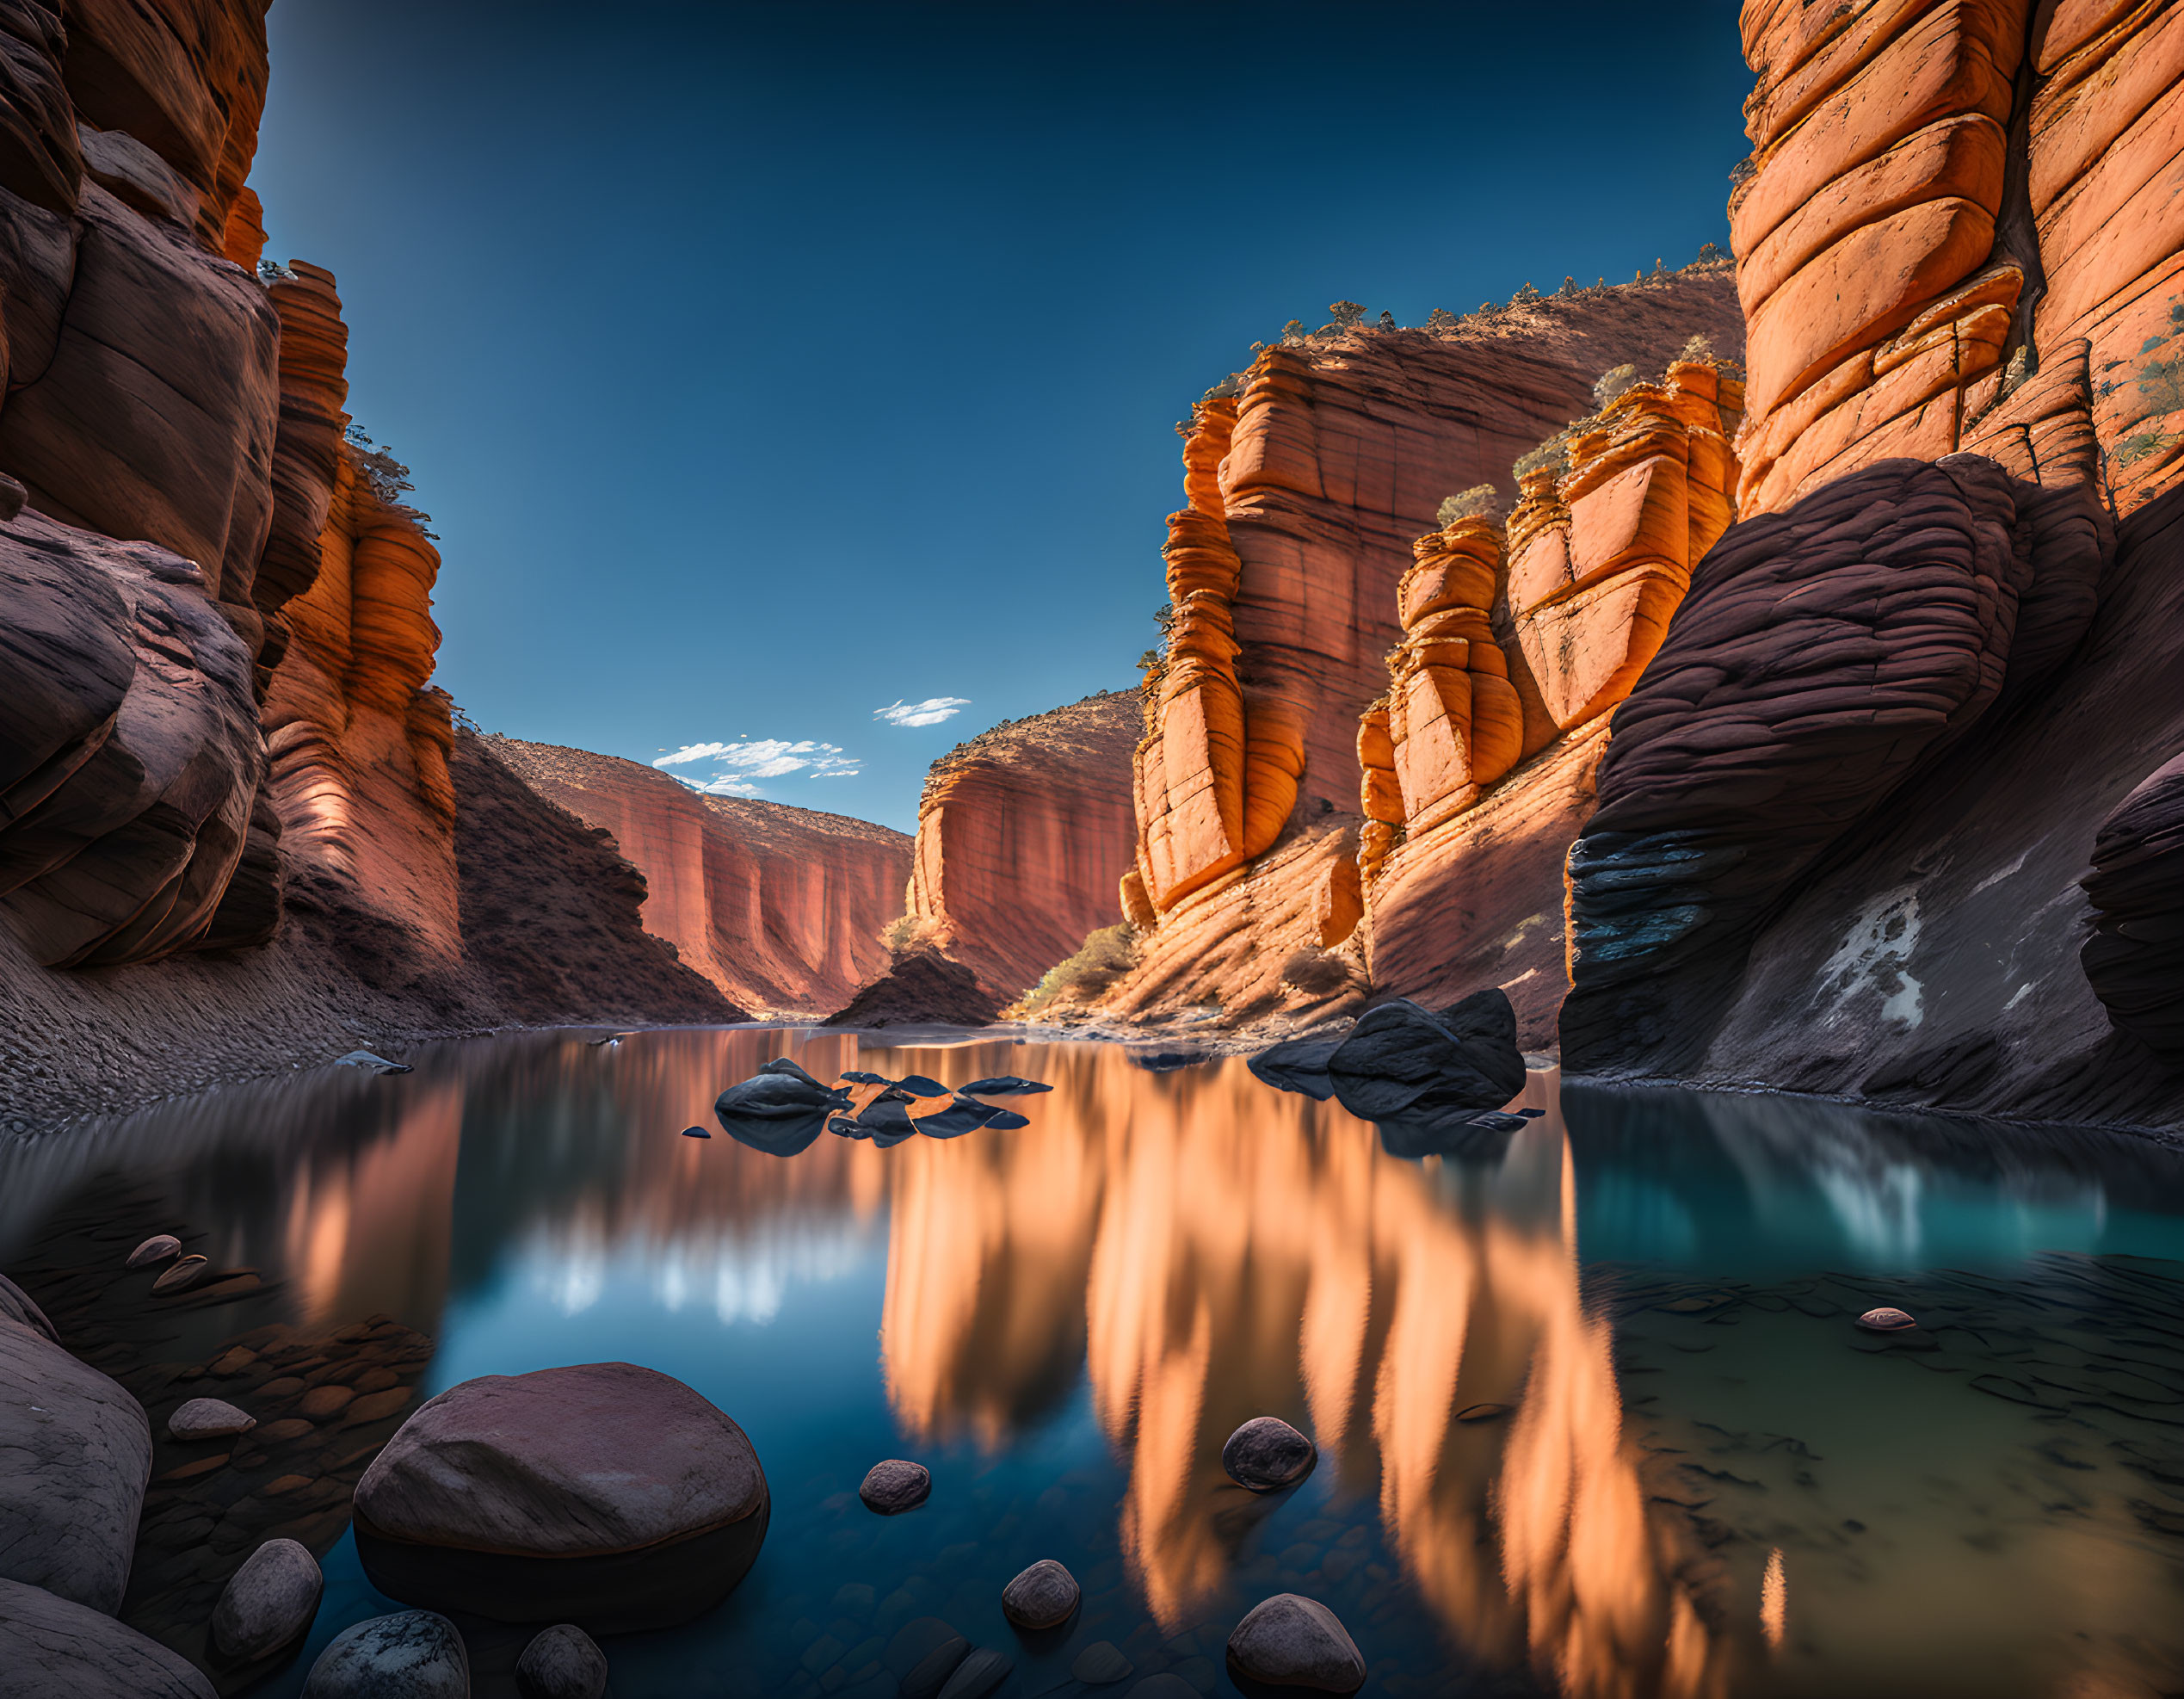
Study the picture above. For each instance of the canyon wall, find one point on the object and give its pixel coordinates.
(1885, 817)
(1023, 836)
(1306, 492)
(218, 640)
(781, 908)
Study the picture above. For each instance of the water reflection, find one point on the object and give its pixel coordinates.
(1181, 1251)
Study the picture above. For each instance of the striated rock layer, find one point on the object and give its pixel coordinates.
(780, 907)
(1023, 836)
(1285, 575)
(1908, 720)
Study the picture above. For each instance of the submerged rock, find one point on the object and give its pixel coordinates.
(367, 1061)
(268, 1603)
(1045, 1595)
(1885, 1320)
(1101, 1665)
(415, 1654)
(1267, 1453)
(182, 1275)
(695, 1133)
(1006, 1120)
(896, 1486)
(1293, 1641)
(562, 1662)
(1299, 1065)
(605, 1494)
(982, 1670)
(159, 1248)
(209, 1419)
(927, 1651)
(959, 1117)
(1004, 1085)
(55, 1648)
(921, 1085)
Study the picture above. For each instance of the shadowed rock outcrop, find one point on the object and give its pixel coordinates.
(780, 907)
(2135, 958)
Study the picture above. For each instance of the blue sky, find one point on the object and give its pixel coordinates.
(767, 368)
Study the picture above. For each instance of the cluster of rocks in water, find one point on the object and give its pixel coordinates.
(782, 1110)
(1432, 1084)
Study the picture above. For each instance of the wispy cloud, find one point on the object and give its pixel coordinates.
(737, 768)
(930, 712)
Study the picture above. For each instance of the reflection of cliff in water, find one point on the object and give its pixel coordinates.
(1225, 1251)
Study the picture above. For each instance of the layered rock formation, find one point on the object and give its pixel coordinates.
(1023, 837)
(781, 908)
(1305, 494)
(1855, 798)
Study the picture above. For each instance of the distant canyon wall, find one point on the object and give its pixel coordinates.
(781, 908)
(1023, 837)
(1888, 815)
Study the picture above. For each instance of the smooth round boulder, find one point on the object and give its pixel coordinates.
(896, 1486)
(209, 1419)
(1044, 1596)
(184, 1274)
(1294, 1641)
(415, 1654)
(159, 1248)
(562, 1662)
(1266, 1454)
(604, 1494)
(1885, 1320)
(268, 1604)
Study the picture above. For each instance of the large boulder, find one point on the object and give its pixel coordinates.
(54, 1648)
(1291, 1641)
(75, 1454)
(1400, 1057)
(604, 1494)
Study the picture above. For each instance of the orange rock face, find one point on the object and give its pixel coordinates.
(1943, 201)
(359, 743)
(1305, 494)
(1023, 838)
(781, 908)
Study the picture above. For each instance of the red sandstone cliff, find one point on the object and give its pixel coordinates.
(781, 908)
(1023, 835)
(196, 564)
(1916, 707)
(1306, 493)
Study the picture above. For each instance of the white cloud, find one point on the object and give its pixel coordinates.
(930, 712)
(738, 767)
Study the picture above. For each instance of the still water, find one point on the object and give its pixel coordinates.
(1592, 1416)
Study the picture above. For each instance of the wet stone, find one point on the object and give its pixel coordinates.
(562, 1662)
(1293, 1641)
(415, 1654)
(159, 1248)
(1267, 1453)
(1885, 1320)
(1042, 1597)
(268, 1603)
(896, 1486)
(209, 1419)
(184, 1274)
